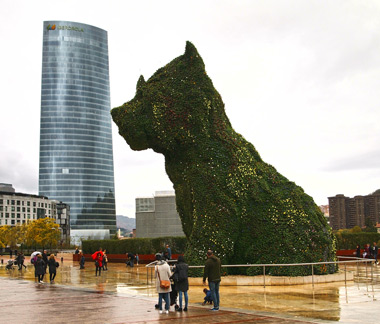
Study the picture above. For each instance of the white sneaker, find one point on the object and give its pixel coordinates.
(160, 311)
(167, 312)
(41, 281)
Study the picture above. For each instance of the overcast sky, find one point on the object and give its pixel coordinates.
(300, 80)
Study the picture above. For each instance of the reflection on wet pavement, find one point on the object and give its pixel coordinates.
(333, 301)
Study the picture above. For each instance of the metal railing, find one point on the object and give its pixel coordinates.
(350, 261)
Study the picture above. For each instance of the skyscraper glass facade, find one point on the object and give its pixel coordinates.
(76, 158)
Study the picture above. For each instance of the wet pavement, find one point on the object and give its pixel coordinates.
(122, 295)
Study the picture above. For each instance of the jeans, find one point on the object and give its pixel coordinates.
(166, 297)
(180, 298)
(214, 289)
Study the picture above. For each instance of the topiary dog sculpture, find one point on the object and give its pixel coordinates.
(228, 199)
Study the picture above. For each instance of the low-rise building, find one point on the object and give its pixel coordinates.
(19, 208)
(157, 216)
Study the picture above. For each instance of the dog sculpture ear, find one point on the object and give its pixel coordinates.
(190, 50)
(140, 83)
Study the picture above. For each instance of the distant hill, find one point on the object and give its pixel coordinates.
(125, 223)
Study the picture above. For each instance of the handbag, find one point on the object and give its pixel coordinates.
(164, 284)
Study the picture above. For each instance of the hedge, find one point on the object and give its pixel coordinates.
(136, 245)
(348, 241)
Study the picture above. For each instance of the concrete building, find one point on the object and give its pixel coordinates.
(348, 212)
(20, 208)
(157, 216)
(76, 155)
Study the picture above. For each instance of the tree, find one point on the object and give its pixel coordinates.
(369, 226)
(43, 232)
(356, 229)
(4, 235)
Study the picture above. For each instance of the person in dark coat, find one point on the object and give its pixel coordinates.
(358, 254)
(105, 260)
(45, 258)
(212, 272)
(99, 264)
(130, 259)
(82, 261)
(181, 280)
(52, 263)
(20, 260)
(40, 268)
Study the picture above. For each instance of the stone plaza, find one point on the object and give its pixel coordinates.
(126, 295)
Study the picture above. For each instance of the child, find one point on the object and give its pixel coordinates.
(207, 299)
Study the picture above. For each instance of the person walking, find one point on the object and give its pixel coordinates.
(53, 265)
(20, 260)
(105, 261)
(181, 281)
(40, 268)
(82, 261)
(162, 272)
(98, 258)
(375, 251)
(98, 264)
(212, 272)
(169, 251)
(358, 254)
(45, 258)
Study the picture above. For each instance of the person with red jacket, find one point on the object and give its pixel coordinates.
(98, 257)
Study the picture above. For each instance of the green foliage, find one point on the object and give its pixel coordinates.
(369, 226)
(356, 229)
(347, 240)
(229, 200)
(137, 245)
(42, 232)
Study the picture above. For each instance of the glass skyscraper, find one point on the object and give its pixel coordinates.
(76, 158)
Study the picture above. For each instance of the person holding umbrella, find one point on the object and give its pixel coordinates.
(98, 258)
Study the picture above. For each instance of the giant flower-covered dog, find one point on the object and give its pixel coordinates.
(229, 200)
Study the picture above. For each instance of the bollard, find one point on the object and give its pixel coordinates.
(61, 259)
(2, 261)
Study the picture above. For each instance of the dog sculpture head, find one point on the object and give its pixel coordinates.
(177, 106)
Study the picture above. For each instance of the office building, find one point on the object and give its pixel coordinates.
(76, 157)
(348, 212)
(157, 216)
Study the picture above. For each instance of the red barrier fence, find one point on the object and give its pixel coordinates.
(122, 258)
(147, 258)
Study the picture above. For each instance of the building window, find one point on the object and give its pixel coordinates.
(18, 203)
(28, 203)
(34, 204)
(7, 215)
(13, 215)
(18, 215)
(13, 202)
(18, 209)
(12, 222)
